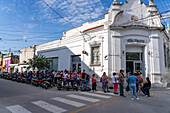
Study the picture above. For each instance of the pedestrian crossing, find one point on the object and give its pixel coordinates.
(69, 102)
(49, 107)
(101, 92)
(83, 98)
(17, 109)
(95, 95)
(77, 100)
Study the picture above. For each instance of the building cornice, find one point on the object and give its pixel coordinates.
(136, 26)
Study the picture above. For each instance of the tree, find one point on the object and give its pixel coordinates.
(39, 62)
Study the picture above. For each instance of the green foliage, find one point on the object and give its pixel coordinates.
(39, 62)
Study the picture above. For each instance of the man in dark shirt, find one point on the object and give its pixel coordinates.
(87, 79)
(121, 82)
(83, 76)
(146, 87)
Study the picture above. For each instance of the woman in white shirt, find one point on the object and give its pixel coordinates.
(115, 81)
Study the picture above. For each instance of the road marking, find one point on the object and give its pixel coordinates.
(17, 109)
(69, 102)
(96, 95)
(83, 98)
(82, 109)
(101, 92)
(49, 107)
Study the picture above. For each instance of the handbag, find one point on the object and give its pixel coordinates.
(127, 88)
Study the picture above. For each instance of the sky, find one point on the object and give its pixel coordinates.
(30, 22)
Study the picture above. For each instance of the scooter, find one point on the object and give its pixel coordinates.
(24, 78)
(19, 77)
(14, 77)
(46, 83)
(28, 80)
(64, 86)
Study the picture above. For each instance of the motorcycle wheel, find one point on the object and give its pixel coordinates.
(59, 89)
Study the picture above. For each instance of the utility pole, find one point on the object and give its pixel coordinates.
(34, 50)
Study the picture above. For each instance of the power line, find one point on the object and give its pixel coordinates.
(28, 37)
(24, 31)
(63, 17)
(57, 13)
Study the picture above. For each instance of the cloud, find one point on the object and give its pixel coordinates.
(75, 11)
(25, 37)
(30, 26)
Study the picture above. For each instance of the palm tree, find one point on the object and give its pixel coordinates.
(39, 62)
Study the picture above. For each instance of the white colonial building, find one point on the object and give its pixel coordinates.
(130, 37)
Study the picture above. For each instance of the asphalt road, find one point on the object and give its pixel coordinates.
(23, 98)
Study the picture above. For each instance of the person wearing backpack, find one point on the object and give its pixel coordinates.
(115, 82)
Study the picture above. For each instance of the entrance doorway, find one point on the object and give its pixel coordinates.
(76, 63)
(134, 62)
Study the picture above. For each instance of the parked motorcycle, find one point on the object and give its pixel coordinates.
(24, 78)
(35, 81)
(28, 80)
(62, 85)
(14, 77)
(19, 77)
(9, 77)
(47, 83)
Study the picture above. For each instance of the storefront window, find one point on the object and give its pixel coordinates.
(134, 56)
(95, 55)
(53, 63)
(76, 63)
(76, 58)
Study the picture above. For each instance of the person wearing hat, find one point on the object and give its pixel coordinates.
(115, 82)
(121, 82)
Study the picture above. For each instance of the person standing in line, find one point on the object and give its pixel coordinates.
(121, 82)
(132, 81)
(115, 81)
(146, 87)
(83, 77)
(94, 84)
(55, 77)
(75, 76)
(105, 82)
(87, 79)
(64, 78)
(72, 79)
(137, 84)
(141, 81)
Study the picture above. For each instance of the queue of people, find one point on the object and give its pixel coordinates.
(135, 81)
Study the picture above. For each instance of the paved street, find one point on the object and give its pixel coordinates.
(22, 98)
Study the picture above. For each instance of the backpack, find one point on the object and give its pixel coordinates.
(83, 88)
(88, 89)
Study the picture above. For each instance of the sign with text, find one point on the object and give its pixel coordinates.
(135, 40)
